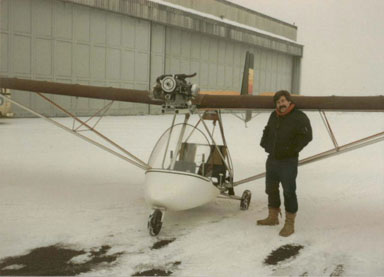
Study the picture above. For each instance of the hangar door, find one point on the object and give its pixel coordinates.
(219, 62)
(64, 42)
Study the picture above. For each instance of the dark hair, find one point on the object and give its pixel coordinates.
(280, 93)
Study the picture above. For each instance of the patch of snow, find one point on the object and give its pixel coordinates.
(13, 267)
(81, 259)
(56, 189)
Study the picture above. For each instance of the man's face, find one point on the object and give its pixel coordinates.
(282, 104)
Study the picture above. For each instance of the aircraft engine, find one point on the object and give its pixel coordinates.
(175, 91)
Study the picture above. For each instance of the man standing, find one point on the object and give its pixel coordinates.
(288, 131)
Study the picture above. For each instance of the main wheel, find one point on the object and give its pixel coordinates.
(155, 222)
(245, 200)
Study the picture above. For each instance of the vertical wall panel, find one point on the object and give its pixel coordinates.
(81, 21)
(204, 48)
(114, 30)
(220, 76)
(63, 59)
(195, 46)
(21, 16)
(142, 38)
(4, 12)
(62, 20)
(141, 68)
(113, 64)
(213, 50)
(4, 53)
(98, 62)
(229, 66)
(175, 40)
(157, 63)
(42, 18)
(221, 52)
(128, 32)
(42, 57)
(228, 77)
(204, 71)
(296, 73)
(186, 45)
(98, 27)
(142, 55)
(22, 54)
(81, 60)
(127, 67)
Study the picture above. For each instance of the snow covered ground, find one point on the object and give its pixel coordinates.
(55, 189)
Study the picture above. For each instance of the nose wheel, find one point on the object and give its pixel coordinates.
(245, 200)
(155, 222)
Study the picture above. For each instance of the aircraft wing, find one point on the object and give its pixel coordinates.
(335, 103)
(106, 93)
(219, 100)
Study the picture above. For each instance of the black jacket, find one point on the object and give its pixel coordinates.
(285, 136)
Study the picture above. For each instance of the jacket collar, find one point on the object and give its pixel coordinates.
(287, 111)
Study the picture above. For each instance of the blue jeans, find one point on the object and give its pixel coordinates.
(284, 172)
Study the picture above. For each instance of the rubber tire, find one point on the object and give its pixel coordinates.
(245, 200)
(155, 222)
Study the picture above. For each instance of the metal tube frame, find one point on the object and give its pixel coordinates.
(215, 144)
(135, 162)
(93, 130)
(103, 109)
(169, 139)
(178, 146)
(329, 129)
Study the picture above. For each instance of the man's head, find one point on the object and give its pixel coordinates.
(282, 100)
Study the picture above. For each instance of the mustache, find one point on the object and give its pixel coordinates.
(282, 107)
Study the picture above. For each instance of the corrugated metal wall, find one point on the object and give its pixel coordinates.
(63, 42)
(219, 62)
(232, 11)
(70, 43)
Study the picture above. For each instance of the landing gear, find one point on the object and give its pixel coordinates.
(245, 200)
(155, 221)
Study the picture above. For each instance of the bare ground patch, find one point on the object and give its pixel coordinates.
(56, 260)
(283, 253)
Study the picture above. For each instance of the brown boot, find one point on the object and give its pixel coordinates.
(272, 219)
(289, 226)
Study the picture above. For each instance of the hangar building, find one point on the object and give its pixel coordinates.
(128, 43)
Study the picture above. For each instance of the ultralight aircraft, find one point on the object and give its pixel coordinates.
(188, 167)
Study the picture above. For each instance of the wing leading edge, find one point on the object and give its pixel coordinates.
(334, 103)
(202, 101)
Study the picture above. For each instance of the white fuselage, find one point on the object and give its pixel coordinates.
(177, 190)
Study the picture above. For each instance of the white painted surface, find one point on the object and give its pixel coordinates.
(175, 190)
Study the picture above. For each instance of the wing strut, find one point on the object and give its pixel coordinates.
(136, 162)
(93, 130)
(329, 129)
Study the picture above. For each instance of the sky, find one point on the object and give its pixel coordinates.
(343, 43)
